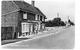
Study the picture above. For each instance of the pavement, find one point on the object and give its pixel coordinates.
(12, 41)
(59, 39)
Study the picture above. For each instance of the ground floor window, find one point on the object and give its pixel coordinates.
(25, 27)
(29, 28)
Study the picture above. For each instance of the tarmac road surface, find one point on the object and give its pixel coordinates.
(61, 40)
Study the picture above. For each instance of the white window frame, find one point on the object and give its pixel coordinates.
(25, 27)
(36, 17)
(43, 18)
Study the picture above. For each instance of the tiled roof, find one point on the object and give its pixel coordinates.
(27, 7)
(40, 12)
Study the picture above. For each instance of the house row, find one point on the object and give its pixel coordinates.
(20, 18)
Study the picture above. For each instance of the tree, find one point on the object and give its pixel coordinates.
(71, 23)
(55, 22)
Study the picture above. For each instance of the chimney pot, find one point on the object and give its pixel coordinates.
(33, 3)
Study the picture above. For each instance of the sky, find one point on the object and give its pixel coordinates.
(50, 8)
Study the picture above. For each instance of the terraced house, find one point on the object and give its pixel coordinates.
(20, 19)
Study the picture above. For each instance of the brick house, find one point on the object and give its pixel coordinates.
(20, 19)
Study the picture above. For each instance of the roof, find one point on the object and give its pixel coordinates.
(40, 12)
(24, 6)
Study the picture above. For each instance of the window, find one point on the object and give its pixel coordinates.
(25, 27)
(25, 16)
(42, 18)
(36, 17)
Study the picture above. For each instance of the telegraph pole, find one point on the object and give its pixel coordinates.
(57, 14)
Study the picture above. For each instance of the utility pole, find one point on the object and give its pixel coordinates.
(57, 14)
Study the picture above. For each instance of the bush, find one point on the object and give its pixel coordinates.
(55, 22)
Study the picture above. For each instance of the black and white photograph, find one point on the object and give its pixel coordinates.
(38, 24)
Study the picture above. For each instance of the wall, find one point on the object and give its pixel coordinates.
(9, 20)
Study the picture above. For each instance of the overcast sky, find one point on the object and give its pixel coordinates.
(51, 7)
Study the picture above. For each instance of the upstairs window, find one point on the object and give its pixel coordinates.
(25, 16)
(43, 19)
(36, 17)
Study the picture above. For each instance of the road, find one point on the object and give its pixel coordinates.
(62, 40)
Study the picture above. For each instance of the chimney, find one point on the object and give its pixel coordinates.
(33, 3)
